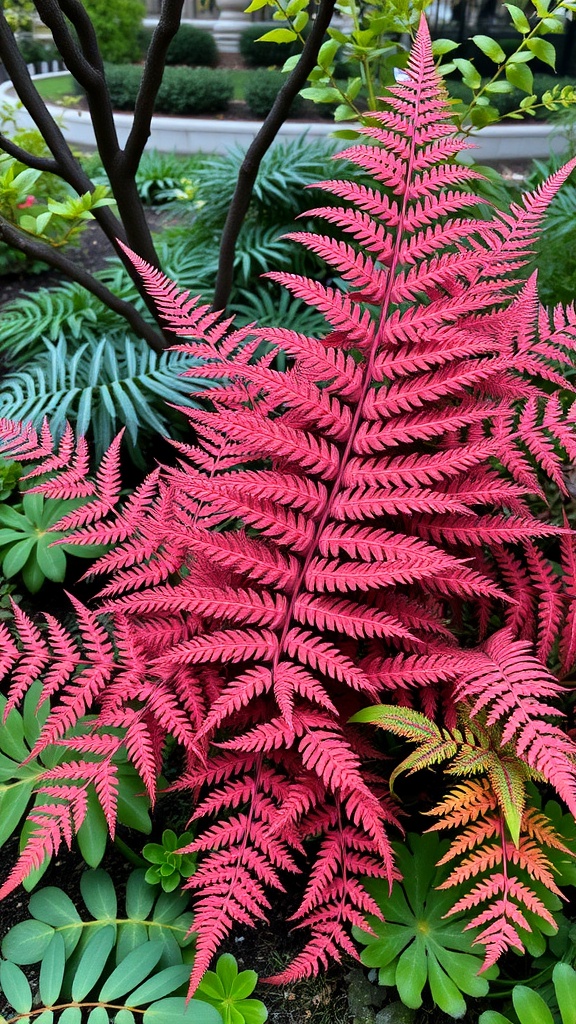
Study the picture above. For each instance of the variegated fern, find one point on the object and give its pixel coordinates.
(345, 531)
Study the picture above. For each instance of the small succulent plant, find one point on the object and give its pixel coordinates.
(169, 867)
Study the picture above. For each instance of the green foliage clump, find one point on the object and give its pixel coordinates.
(35, 51)
(183, 90)
(415, 944)
(193, 46)
(21, 780)
(169, 867)
(228, 990)
(26, 539)
(126, 966)
(117, 28)
(262, 90)
(107, 382)
(262, 54)
(530, 1007)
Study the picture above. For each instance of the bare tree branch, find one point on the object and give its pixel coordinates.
(35, 249)
(37, 163)
(264, 139)
(164, 33)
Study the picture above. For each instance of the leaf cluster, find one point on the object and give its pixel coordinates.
(414, 946)
(22, 778)
(127, 967)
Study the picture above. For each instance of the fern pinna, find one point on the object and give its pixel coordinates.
(342, 532)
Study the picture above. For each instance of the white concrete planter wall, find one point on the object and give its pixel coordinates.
(520, 141)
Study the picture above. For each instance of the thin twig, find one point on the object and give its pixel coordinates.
(255, 152)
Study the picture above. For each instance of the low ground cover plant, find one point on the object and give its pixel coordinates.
(369, 525)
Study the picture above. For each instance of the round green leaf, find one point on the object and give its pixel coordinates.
(169, 906)
(564, 978)
(493, 1017)
(131, 934)
(13, 803)
(17, 556)
(93, 832)
(47, 1017)
(171, 883)
(159, 985)
(174, 1010)
(491, 48)
(52, 970)
(54, 907)
(99, 895)
(131, 971)
(99, 1015)
(244, 985)
(92, 962)
(411, 974)
(124, 1017)
(211, 987)
(15, 987)
(253, 1011)
(154, 852)
(52, 560)
(444, 992)
(530, 1007)
(227, 971)
(27, 942)
(71, 1015)
(520, 76)
(32, 574)
(139, 896)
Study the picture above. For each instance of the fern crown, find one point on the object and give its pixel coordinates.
(344, 531)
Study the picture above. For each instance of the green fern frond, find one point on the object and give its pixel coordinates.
(103, 385)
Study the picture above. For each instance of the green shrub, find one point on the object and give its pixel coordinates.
(35, 51)
(262, 90)
(123, 83)
(117, 28)
(183, 90)
(194, 91)
(263, 55)
(193, 46)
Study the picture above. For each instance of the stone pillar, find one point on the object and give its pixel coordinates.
(230, 24)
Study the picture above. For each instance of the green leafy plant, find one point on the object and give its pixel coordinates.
(530, 1008)
(228, 990)
(10, 473)
(168, 867)
(117, 36)
(261, 92)
(184, 90)
(414, 945)
(371, 43)
(104, 383)
(27, 539)
(193, 46)
(21, 781)
(128, 967)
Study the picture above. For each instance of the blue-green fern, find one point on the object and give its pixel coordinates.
(100, 386)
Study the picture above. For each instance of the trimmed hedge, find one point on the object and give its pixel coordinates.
(193, 47)
(264, 55)
(183, 90)
(262, 90)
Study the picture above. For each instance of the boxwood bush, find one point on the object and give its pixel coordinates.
(191, 46)
(263, 55)
(183, 90)
(262, 90)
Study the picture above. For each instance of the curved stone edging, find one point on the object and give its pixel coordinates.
(209, 135)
